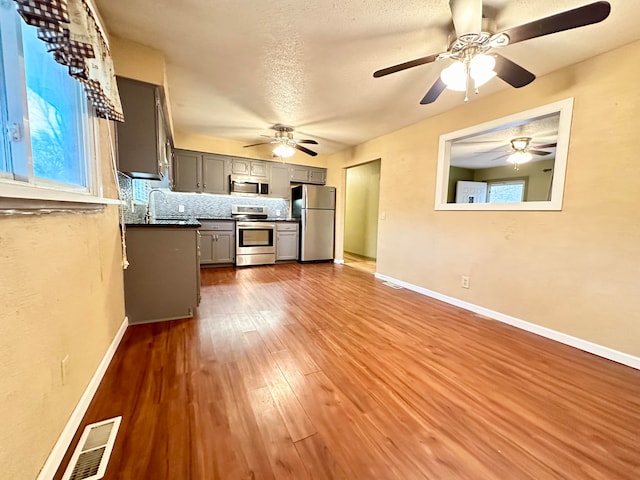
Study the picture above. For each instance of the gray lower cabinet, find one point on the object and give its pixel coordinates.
(200, 172)
(162, 281)
(217, 242)
(279, 186)
(286, 241)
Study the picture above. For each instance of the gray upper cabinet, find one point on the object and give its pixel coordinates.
(214, 174)
(258, 168)
(187, 171)
(279, 185)
(200, 172)
(251, 168)
(318, 175)
(299, 174)
(241, 166)
(302, 174)
(141, 151)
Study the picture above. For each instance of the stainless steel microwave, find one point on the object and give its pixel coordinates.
(250, 186)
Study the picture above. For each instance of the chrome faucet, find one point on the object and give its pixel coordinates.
(147, 215)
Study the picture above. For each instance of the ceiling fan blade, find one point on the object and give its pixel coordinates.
(467, 16)
(512, 73)
(578, 17)
(313, 142)
(256, 144)
(501, 157)
(405, 65)
(305, 150)
(434, 92)
(538, 152)
(548, 145)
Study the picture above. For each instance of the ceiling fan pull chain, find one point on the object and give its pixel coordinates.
(467, 81)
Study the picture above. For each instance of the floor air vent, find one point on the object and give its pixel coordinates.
(392, 285)
(89, 461)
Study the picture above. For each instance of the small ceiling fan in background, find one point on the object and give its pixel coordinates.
(523, 150)
(475, 63)
(285, 145)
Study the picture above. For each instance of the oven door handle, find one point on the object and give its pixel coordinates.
(264, 227)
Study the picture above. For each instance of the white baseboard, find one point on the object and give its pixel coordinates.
(601, 351)
(339, 261)
(60, 448)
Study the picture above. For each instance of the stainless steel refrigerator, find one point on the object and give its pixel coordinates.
(315, 207)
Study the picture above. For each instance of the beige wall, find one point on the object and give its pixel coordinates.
(361, 209)
(139, 62)
(575, 271)
(62, 294)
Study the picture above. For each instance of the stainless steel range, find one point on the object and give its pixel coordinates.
(255, 238)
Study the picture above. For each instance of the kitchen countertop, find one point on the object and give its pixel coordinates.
(268, 219)
(186, 222)
(168, 222)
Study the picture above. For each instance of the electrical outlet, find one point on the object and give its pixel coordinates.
(64, 369)
(383, 215)
(181, 208)
(465, 281)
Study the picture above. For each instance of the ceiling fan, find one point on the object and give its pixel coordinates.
(285, 144)
(472, 49)
(522, 150)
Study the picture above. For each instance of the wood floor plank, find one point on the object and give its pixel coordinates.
(285, 461)
(243, 426)
(320, 371)
(295, 419)
(318, 459)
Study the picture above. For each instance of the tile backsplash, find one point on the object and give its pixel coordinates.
(196, 205)
(202, 205)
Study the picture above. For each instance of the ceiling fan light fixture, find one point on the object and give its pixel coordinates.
(481, 67)
(284, 151)
(521, 143)
(455, 76)
(519, 157)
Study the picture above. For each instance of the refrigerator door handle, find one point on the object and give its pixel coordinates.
(304, 220)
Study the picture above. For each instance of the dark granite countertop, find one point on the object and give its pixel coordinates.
(168, 222)
(268, 219)
(186, 222)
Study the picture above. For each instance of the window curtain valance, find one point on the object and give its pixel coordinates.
(76, 41)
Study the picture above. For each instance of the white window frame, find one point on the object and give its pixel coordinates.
(565, 110)
(21, 183)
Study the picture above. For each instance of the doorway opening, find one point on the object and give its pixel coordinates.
(362, 197)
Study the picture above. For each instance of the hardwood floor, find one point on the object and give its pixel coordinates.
(320, 371)
(366, 264)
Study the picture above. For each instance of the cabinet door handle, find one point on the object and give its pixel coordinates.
(198, 184)
(204, 185)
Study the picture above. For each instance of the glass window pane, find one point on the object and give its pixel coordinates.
(55, 114)
(506, 192)
(5, 155)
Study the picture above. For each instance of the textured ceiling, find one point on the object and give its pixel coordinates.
(236, 67)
